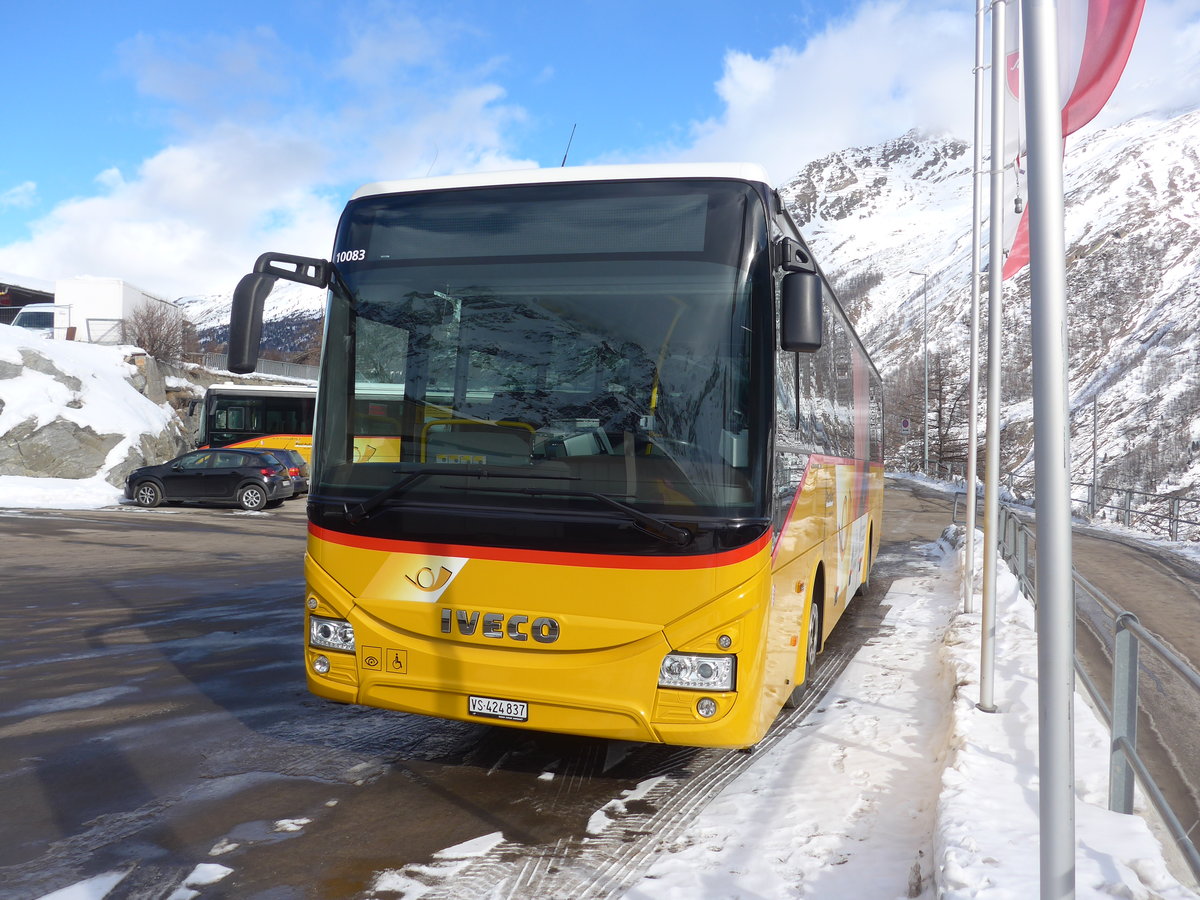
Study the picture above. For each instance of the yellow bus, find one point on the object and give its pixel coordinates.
(252, 416)
(638, 466)
(281, 416)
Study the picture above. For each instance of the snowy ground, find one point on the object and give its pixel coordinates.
(899, 787)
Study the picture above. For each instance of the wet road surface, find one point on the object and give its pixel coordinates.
(153, 717)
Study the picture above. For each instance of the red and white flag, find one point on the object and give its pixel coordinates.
(1094, 41)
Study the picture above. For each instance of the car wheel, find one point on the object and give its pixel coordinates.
(252, 497)
(147, 494)
(811, 645)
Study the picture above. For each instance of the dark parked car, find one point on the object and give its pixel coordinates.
(296, 466)
(250, 478)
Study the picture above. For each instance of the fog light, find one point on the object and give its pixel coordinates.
(331, 634)
(707, 707)
(697, 671)
(724, 642)
(312, 602)
(321, 667)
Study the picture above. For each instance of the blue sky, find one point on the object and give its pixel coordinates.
(169, 144)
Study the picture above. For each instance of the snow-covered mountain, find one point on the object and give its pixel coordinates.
(877, 215)
(288, 315)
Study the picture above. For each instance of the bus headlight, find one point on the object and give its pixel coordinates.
(332, 634)
(698, 672)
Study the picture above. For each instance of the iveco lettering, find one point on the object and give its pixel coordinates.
(595, 451)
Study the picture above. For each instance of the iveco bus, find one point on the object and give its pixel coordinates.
(634, 472)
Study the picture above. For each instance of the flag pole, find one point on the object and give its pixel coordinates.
(973, 378)
(991, 488)
(1048, 302)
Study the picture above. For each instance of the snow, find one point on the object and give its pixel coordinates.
(898, 786)
(25, 281)
(201, 876)
(104, 401)
(445, 863)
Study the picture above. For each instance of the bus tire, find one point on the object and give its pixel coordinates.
(251, 497)
(868, 561)
(147, 494)
(812, 643)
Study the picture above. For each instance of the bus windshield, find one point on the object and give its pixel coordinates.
(578, 349)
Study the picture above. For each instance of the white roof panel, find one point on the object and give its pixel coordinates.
(735, 171)
(25, 281)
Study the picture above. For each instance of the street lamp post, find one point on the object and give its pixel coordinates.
(925, 341)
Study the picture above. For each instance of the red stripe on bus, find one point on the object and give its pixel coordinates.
(544, 557)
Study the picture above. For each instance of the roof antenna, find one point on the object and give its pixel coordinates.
(436, 151)
(568, 150)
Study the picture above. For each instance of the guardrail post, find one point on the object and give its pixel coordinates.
(1091, 501)
(1174, 523)
(1124, 714)
(1128, 506)
(1021, 540)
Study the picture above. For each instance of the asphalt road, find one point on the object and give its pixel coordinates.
(153, 716)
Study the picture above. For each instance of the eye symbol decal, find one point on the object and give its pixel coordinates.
(427, 581)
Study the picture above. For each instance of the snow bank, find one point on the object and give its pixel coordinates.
(987, 836)
(897, 786)
(87, 385)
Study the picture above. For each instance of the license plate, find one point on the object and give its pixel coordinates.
(493, 708)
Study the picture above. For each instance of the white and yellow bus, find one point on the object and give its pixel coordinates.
(637, 467)
(251, 415)
(281, 416)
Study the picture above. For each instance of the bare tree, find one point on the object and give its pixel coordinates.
(157, 329)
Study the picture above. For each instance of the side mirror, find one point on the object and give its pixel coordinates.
(800, 312)
(245, 321)
(249, 297)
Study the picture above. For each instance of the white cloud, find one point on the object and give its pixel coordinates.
(886, 68)
(21, 195)
(898, 64)
(257, 162)
(192, 217)
(1161, 75)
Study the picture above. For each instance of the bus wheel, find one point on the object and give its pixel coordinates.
(252, 497)
(812, 643)
(147, 494)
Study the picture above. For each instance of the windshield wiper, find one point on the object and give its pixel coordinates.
(355, 513)
(358, 512)
(651, 525)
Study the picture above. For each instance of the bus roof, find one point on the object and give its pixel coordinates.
(750, 172)
(263, 390)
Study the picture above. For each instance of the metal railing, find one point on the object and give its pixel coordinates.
(1133, 516)
(1166, 515)
(265, 366)
(1016, 541)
